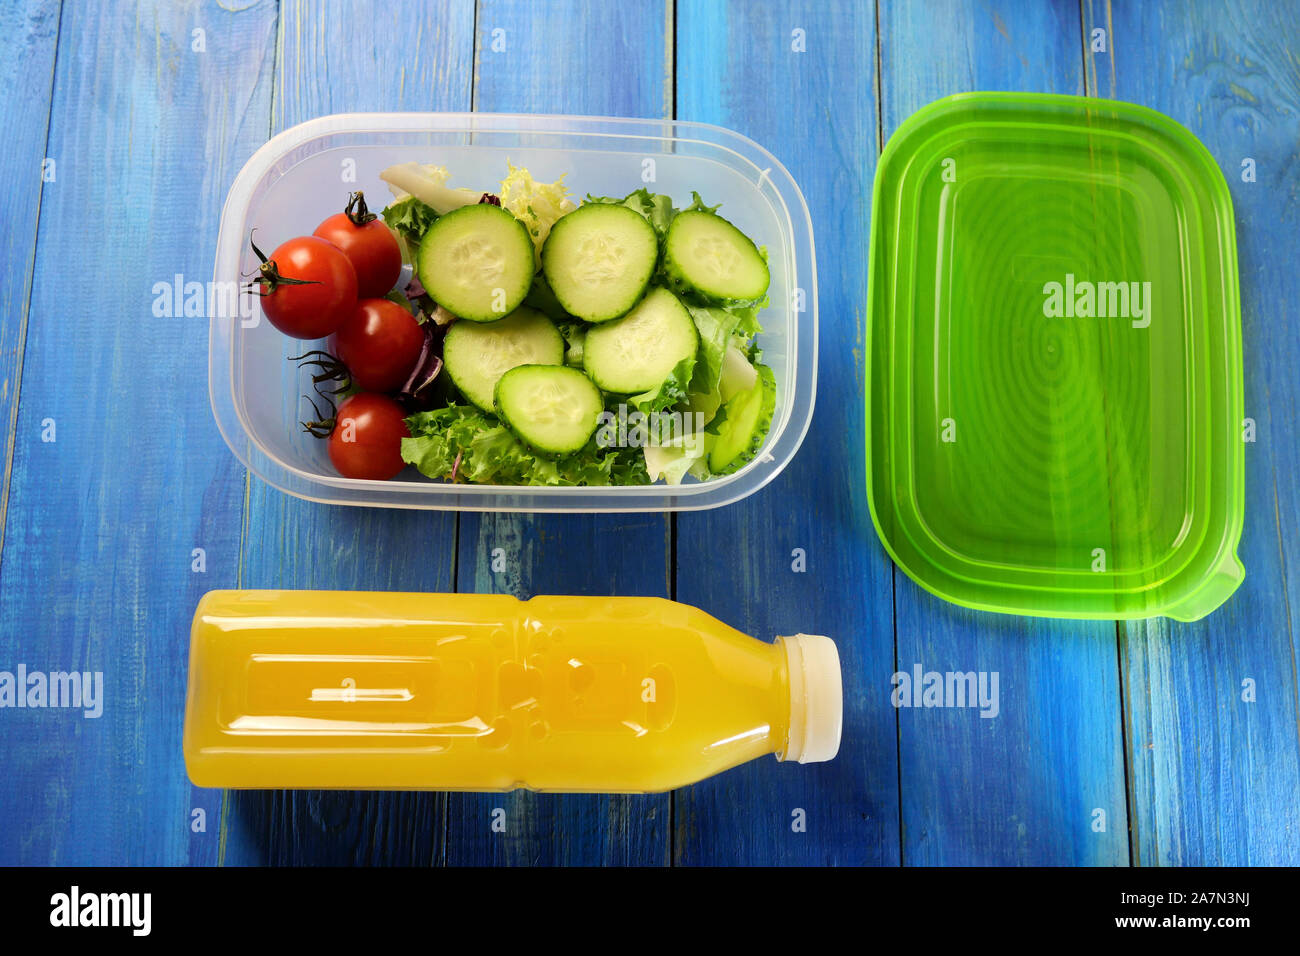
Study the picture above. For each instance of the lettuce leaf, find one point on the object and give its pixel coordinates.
(716, 327)
(427, 183)
(673, 462)
(698, 204)
(462, 443)
(410, 217)
(656, 207)
(747, 324)
(536, 205)
(669, 392)
(575, 341)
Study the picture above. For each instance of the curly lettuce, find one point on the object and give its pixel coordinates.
(462, 443)
(536, 205)
(410, 218)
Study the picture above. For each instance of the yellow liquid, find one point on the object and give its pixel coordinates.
(366, 690)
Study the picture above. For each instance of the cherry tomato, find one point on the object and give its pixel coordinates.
(368, 244)
(380, 343)
(367, 438)
(308, 287)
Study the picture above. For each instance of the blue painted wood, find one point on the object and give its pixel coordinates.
(567, 57)
(342, 57)
(735, 63)
(95, 567)
(28, 33)
(102, 521)
(1024, 787)
(1216, 778)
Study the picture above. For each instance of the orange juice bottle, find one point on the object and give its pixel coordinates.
(366, 690)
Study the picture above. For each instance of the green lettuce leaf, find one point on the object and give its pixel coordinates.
(462, 443)
(656, 207)
(410, 218)
(716, 326)
(698, 205)
(575, 341)
(747, 324)
(669, 392)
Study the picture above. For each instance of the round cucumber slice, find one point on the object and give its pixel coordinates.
(708, 255)
(748, 417)
(553, 409)
(639, 351)
(476, 354)
(477, 262)
(598, 260)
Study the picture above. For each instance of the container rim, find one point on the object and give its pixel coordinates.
(752, 160)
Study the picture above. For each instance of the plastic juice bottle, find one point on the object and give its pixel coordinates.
(368, 690)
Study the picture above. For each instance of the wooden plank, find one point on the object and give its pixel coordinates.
(28, 34)
(147, 132)
(343, 57)
(739, 66)
(566, 57)
(1214, 776)
(1024, 787)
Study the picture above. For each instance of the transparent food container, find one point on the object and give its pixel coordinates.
(304, 175)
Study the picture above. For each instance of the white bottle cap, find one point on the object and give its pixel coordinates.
(816, 698)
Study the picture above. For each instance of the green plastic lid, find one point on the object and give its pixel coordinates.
(1054, 391)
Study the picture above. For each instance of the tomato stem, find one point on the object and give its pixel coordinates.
(323, 425)
(329, 369)
(270, 274)
(356, 209)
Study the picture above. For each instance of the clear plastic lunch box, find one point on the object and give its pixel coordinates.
(304, 175)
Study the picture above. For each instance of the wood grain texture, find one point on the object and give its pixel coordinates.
(29, 32)
(564, 56)
(343, 57)
(1020, 788)
(1216, 779)
(736, 63)
(97, 563)
(816, 112)
(100, 525)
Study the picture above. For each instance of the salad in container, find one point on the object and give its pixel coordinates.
(514, 313)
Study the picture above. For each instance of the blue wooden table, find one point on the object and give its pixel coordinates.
(122, 127)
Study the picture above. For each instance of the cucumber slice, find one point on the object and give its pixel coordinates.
(748, 416)
(476, 355)
(552, 408)
(639, 351)
(477, 262)
(598, 260)
(706, 254)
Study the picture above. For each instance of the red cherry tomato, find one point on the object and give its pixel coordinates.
(368, 244)
(308, 287)
(380, 343)
(367, 438)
